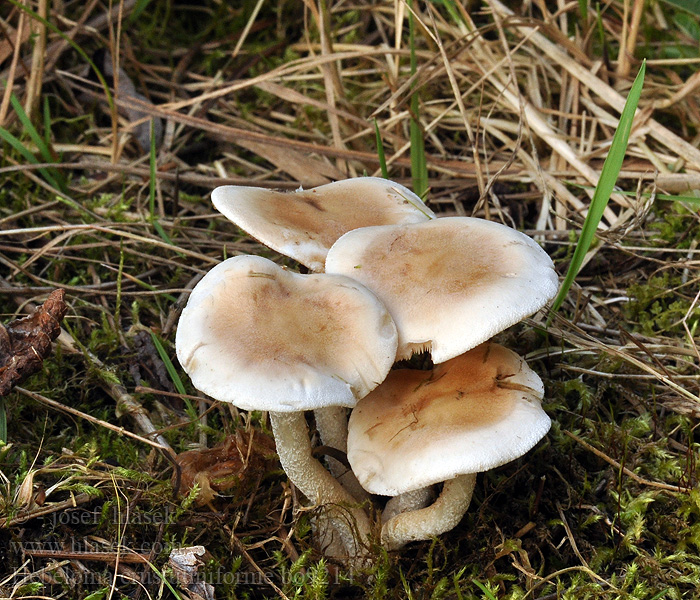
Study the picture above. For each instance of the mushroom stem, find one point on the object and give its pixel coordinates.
(317, 484)
(332, 425)
(407, 502)
(442, 515)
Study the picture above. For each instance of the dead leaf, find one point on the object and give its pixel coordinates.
(25, 491)
(25, 343)
(132, 101)
(307, 170)
(233, 465)
(7, 46)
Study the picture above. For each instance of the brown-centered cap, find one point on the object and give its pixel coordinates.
(450, 283)
(264, 338)
(469, 414)
(304, 224)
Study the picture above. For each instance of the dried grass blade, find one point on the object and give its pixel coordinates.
(76, 47)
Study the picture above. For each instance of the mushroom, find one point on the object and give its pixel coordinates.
(264, 338)
(470, 414)
(304, 224)
(483, 277)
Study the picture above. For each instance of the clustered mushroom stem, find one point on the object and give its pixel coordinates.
(444, 514)
(332, 425)
(316, 483)
(406, 502)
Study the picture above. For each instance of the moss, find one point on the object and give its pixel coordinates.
(655, 307)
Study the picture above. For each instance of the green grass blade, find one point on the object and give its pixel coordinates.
(37, 17)
(174, 376)
(47, 121)
(419, 168)
(484, 589)
(692, 6)
(152, 191)
(152, 288)
(380, 151)
(27, 154)
(583, 10)
(99, 594)
(162, 233)
(161, 575)
(140, 6)
(120, 279)
(40, 143)
(30, 129)
(601, 31)
(606, 183)
(152, 172)
(451, 10)
(3, 421)
(693, 201)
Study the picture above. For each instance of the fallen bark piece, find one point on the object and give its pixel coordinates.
(186, 564)
(26, 342)
(234, 465)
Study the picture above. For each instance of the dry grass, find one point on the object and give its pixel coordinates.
(518, 105)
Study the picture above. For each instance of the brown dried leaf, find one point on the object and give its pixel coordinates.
(25, 343)
(25, 491)
(307, 170)
(235, 464)
(7, 46)
(130, 103)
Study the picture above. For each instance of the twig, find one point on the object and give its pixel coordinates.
(241, 548)
(165, 447)
(625, 470)
(111, 557)
(47, 509)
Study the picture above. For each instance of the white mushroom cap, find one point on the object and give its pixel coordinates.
(450, 283)
(304, 224)
(470, 414)
(264, 338)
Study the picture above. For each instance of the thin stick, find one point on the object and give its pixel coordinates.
(242, 549)
(625, 470)
(129, 557)
(95, 420)
(5, 105)
(47, 509)
(246, 29)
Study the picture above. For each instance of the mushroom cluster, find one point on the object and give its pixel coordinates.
(388, 279)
